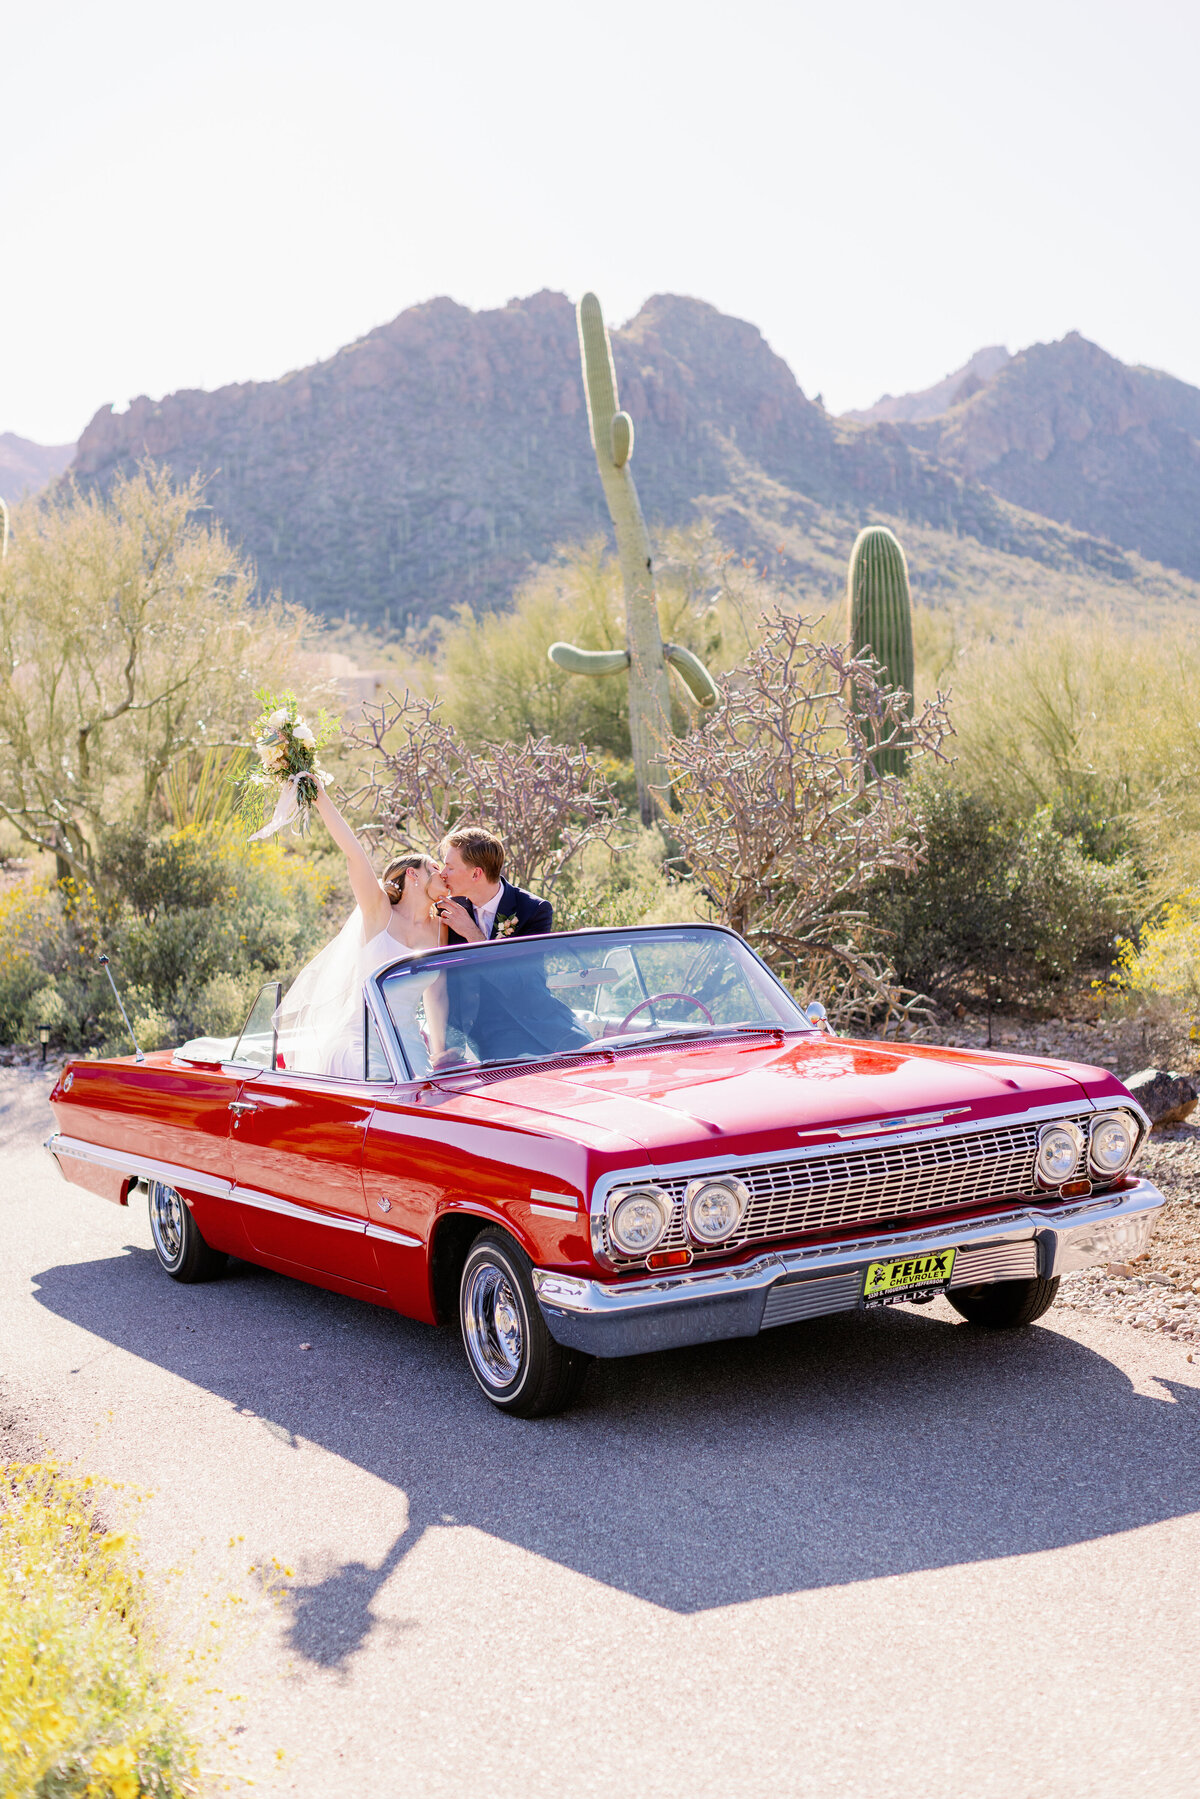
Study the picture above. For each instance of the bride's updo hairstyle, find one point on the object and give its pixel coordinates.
(394, 873)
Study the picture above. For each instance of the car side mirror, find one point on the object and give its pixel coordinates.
(818, 1017)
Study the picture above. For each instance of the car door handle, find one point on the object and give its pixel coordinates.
(242, 1105)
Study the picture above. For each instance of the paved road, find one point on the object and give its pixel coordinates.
(887, 1557)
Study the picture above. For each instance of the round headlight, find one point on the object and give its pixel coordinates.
(1111, 1143)
(714, 1209)
(1059, 1147)
(637, 1220)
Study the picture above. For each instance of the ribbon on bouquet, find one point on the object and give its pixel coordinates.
(287, 807)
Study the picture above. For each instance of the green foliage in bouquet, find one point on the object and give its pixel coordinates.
(287, 747)
(880, 621)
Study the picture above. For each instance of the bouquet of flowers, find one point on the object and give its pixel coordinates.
(287, 747)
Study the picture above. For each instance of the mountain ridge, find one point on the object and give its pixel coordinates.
(435, 459)
(27, 467)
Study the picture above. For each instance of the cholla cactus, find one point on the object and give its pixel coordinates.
(645, 655)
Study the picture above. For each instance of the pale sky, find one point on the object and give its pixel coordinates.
(194, 195)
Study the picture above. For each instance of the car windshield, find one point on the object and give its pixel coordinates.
(528, 998)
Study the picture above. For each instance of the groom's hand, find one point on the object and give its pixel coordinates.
(460, 921)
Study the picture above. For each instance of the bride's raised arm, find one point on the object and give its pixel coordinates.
(365, 884)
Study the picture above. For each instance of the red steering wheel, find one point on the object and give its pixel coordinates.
(653, 1001)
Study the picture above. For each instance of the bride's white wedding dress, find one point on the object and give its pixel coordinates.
(320, 1018)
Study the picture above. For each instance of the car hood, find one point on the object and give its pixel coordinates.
(741, 1097)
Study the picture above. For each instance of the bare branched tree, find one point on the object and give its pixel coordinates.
(546, 800)
(783, 819)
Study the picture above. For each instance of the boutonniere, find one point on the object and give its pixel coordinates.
(505, 927)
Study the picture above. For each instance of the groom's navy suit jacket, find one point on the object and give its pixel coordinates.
(500, 1010)
(533, 915)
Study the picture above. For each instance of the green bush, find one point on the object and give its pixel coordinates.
(193, 924)
(1003, 908)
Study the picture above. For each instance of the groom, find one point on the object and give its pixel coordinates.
(482, 904)
(501, 1005)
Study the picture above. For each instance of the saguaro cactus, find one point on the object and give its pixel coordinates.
(880, 619)
(645, 656)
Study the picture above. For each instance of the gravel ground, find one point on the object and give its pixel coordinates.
(1161, 1290)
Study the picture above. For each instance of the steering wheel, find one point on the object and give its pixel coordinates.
(653, 1001)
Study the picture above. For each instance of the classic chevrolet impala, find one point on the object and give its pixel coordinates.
(632, 1140)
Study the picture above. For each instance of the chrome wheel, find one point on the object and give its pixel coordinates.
(515, 1360)
(167, 1224)
(493, 1325)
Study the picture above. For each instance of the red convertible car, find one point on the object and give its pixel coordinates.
(628, 1140)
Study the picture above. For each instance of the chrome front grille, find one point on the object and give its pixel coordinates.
(866, 1185)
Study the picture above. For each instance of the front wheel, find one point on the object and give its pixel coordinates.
(178, 1244)
(512, 1355)
(1004, 1305)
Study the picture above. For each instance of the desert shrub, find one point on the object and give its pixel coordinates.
(85, 1710)
(783, 818)
(632, 883)
(1096, 723)
(193, 924)
(548, 801)
(1000, 905)
(1162, 963)
(130, 630)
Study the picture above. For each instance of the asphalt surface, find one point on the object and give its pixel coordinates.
(888, 1556)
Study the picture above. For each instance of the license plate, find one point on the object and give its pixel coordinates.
(888, 1283)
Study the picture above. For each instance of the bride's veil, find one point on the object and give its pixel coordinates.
(324, 1002)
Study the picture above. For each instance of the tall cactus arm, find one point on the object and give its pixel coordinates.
(588, 662)
(693, 674)
(599, 378)
(621, 434)
(612, 440)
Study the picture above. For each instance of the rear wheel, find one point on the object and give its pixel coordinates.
(178, 1244)
(1004, 1305)
(512, 1355)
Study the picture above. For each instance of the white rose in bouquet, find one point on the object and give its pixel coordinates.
(287, 746)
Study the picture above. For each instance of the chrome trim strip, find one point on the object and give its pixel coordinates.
(286, 1208)
(911, 1122)
(705, 1304)
(566, 1202)
(559, 1212)
(124, 1162)
(384, 1235)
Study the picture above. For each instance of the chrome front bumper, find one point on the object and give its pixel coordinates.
(704, 1305)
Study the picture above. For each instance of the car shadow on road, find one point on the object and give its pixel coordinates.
(838, 1450)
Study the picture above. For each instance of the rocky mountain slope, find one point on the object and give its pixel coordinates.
(25, 467)
(930, 402)
(1068, 431)
(432, 461)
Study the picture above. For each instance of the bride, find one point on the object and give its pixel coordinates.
(320, 1018)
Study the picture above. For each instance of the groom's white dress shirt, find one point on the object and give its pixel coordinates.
(485, 916)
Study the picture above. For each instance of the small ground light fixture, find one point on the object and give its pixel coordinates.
(44, 1038)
